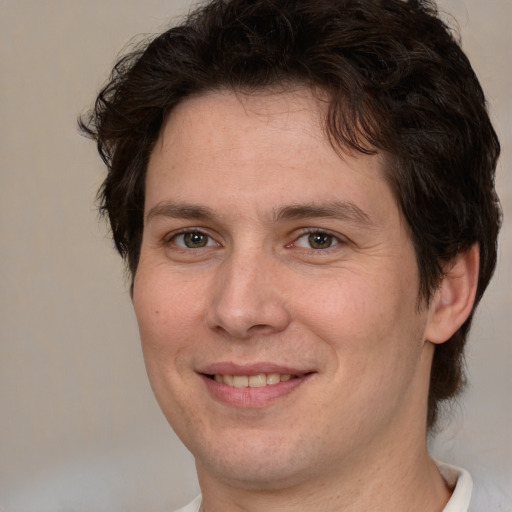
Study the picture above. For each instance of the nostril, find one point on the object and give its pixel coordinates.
(262, 329)
(259, 327)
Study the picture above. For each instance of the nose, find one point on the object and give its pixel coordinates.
(247, 298)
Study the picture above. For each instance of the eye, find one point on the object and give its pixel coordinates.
(193, 240)
(317, 240)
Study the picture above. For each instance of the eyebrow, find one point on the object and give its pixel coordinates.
(341, 210)
(180, 211)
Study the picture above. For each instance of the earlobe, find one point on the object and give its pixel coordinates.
(453, 301)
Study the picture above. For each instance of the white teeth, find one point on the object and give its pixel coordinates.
(253, 381)
(240, 381)
(257, 381)
(273, 378)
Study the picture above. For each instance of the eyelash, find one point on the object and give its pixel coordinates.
(190, 231)
(333, 239)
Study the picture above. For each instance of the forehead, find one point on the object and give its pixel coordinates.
(209, 117)
(269, 149)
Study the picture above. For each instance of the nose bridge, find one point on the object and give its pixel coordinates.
(247, 299)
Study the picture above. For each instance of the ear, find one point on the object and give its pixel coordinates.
(453, 300)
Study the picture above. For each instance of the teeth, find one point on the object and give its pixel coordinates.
(257, 381)
(240, 381)
(228, 379)
(273, 378)
(253, 381)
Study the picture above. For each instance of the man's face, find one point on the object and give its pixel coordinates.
(276, 294)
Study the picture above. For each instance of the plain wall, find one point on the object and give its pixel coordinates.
(79, 427)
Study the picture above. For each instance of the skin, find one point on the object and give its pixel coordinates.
(249, 176)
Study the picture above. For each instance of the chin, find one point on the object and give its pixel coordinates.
(258, 464)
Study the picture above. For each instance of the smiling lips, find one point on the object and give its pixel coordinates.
(251, 387)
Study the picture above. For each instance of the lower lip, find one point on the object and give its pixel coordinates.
(247, 398)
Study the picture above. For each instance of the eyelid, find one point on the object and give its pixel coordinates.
(169, 237)
(340, 239)
(302, 232)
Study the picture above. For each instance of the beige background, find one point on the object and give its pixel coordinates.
(79, 427)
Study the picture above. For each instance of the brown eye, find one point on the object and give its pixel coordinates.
(320, 240)
(317, 240)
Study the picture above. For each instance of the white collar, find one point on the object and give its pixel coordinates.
(462, 484)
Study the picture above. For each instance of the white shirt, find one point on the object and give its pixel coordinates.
(462, 484)
(455, 477)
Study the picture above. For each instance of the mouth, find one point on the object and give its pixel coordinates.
(253, 381)
(249, 387)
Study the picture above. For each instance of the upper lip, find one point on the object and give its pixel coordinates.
(230, 368)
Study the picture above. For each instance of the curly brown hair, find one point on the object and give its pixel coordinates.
(397, 82)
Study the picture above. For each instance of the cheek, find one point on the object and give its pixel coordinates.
(163, 300)
(164, 315)
(375, 339)
(370, 322)
(162, 324)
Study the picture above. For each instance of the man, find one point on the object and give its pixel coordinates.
(304, 194)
